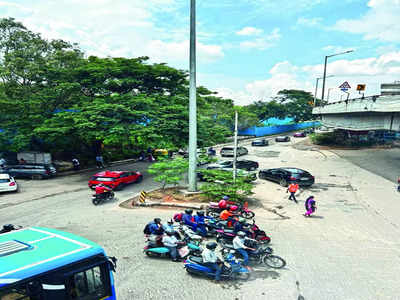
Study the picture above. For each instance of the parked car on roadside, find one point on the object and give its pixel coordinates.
(299, 134)
(7, 183)
(34, 171)
(116, 180)
(249, 176)
(248, 165)
(228, 151)
(284, 176)
(282, 139)
(262, 142)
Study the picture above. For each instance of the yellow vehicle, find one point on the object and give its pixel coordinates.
(160, 152)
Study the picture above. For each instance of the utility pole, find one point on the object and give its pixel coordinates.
(192, 176)
(235, 142)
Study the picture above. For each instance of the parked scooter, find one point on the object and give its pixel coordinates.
(155, 248)
(235, 270)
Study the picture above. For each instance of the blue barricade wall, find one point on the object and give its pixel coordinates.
(268, 130)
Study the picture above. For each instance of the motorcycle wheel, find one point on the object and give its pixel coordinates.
(247, 214)
(95, 201)
(241, 275)
(274, 261)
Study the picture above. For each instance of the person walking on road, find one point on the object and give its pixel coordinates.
(310, 206)
(99, 161)
(293, 188)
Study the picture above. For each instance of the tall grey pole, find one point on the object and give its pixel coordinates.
(323, 78)
(192, 102)
(316, 89)
(235, 146)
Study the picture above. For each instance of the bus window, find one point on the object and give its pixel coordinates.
(26, 291)
(90, 284)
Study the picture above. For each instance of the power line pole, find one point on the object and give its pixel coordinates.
(235, 142)
(192, 102)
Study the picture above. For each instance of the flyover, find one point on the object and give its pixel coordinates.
(362, 114)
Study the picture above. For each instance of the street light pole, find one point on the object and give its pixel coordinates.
(192, 102)
(316, 88)
(326, 60)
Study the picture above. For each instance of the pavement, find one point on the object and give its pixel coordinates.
(348, 250)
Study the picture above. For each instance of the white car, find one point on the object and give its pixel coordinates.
(7, 183)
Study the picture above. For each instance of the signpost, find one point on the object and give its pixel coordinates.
(345, 86)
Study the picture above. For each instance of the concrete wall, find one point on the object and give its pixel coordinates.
(269, 130)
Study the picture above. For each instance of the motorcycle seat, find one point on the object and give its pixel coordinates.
(197, 260)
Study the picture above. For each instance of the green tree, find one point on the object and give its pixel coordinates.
(220, 183)
(169, 171)
(298, 104)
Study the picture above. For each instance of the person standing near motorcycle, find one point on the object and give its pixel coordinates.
(188, 219)
(210, 259)
(171, 242)
(293, 188)
(239, 246)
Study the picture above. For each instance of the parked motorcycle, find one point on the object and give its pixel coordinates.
(155, 248)
(225, 236)
(234, 270)
(99, 198)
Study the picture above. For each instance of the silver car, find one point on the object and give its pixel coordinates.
(228, 151)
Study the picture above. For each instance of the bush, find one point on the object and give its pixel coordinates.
(220, 183)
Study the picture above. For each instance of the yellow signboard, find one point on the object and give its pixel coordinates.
(360, 87)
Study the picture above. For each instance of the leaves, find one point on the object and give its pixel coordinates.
(169, 171)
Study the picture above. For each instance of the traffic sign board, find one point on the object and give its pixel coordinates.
(345, 85)
(343, 89)
(361, 87)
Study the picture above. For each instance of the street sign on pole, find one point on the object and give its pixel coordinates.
(345, 85)
(360, 87)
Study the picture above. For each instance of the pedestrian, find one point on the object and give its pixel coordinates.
(398, 184)
(293, 188)
(2, 162)
(22, 161)
(99, 161)
(210, 259)
(76, 164)
(310, 206)
(171, 242)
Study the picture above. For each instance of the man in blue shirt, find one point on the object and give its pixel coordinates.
(201, 224)
(156, 227)
(188, 219)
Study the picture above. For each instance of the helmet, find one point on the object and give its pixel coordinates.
(189, 211)
(241, 234)
(157, 220)
(242, 220)
(170, 232)
(233, 208)
(211, 245)
(225, 198)
(200, 213)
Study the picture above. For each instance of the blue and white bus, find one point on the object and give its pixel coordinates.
(45, 264)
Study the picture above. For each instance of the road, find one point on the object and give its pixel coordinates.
(383, 162)
(349, 250)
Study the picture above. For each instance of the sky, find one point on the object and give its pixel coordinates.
(247, 50)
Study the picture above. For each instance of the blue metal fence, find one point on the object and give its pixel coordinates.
(268, 130)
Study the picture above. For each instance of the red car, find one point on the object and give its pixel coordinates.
(115, 179)
(299, 134)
